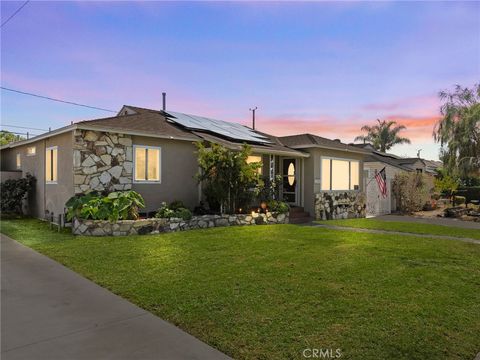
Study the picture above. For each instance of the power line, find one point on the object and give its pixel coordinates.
(22, 127)
(58, 100)
(15, 13)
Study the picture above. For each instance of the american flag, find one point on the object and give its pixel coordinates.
(381, 178)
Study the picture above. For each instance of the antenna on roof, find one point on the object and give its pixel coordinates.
(164, 101)
(253, 117)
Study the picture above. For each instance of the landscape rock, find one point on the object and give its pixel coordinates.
(160, 225)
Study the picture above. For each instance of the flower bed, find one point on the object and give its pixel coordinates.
(159, 225)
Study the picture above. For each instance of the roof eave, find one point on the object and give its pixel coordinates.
(136, 133)
(308, 146)
(40, 137)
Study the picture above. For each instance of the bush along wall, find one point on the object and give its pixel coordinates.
(161, 225)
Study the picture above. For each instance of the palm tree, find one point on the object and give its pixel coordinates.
(458, 131)
(383, 135)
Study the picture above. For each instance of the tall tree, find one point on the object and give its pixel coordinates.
(458, 131)
(383, 135)
(6, 137)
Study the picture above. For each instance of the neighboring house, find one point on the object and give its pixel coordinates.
(153, 152)
(375, 162)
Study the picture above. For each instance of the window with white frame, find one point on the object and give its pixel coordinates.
(147, 163)
(19, 161)
(339, 174)
(255, 159)
(51, 164)
(31, 150)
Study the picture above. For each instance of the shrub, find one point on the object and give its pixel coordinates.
(200, 209)
(227, 178)
(183, 213)
(470, 193)
(278, 206)
(446, 184)
(118, 205)
(411, 191)
(177, 204)
(166, 211)
(14, 191)
(269, 189)
(459, 200)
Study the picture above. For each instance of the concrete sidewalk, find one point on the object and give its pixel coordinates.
(50, 312)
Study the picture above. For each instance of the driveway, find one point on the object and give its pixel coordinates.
(433, 221)
(50, 312)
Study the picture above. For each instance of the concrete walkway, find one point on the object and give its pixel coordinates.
(375, 231)
(50, 312)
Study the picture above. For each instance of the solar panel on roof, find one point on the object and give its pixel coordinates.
(224, 128)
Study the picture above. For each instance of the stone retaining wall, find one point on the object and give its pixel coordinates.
(330, 205)
(157, 225)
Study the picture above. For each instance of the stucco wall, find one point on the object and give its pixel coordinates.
(312, 173)
(50, 197)
(10, 175)
(178, 167)
(376, 203)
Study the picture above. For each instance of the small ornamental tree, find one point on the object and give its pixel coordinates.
(229, 182)
(446, 184)
(14, 191)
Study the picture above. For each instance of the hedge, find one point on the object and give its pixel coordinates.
(470, 193)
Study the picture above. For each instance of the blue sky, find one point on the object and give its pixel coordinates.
(324, 68)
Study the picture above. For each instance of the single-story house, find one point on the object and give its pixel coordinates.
(153, 152)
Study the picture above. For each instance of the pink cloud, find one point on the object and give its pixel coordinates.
(418, 128)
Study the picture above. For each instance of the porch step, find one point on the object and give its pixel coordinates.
(298, 215)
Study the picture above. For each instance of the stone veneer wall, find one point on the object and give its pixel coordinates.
(102, 161)
(157, 225)
(331, 205)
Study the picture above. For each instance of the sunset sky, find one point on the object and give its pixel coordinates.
(323, 68)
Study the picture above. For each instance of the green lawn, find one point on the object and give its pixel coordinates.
(268, 292)
(409, 227)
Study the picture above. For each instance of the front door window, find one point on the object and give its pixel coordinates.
(289, 181)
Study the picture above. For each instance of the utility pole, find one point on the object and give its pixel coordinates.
(253, 117)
